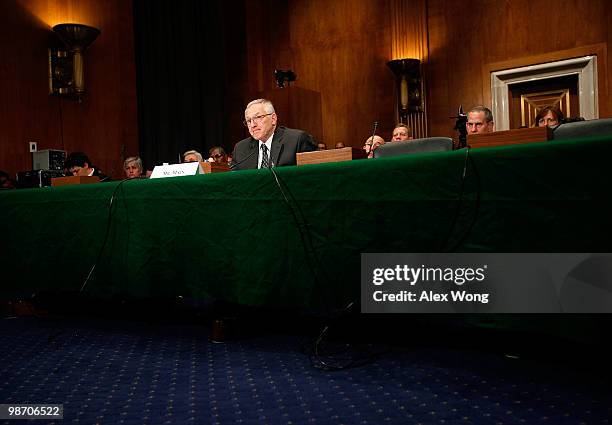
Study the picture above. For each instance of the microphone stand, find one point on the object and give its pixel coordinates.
(460, 126)
(371, 144)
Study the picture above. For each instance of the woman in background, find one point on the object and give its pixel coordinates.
(550, 116)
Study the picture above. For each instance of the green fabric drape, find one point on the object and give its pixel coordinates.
(235, 237)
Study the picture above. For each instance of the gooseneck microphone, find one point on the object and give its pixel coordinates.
(371, 144)
(460, 126)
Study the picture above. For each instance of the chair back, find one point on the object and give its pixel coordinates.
(575, 130)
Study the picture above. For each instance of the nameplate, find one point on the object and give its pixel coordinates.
(510, 137)
(214, 167)
(176, 170)
(329, 155)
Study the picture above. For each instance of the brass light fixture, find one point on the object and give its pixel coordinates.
(409, 86)
(66, 77)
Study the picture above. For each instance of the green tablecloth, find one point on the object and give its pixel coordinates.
(234, 236)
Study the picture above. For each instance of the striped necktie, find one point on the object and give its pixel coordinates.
(265, 160)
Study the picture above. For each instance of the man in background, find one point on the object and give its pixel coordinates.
(480, 120)
(5, 181)
(78, 164)
(401, 132)
(371, 144)
(192, 156)
(217, 154)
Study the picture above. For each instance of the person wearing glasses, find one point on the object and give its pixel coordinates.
(480, 120)
(217, 154)
(371, 144)
(269, 145)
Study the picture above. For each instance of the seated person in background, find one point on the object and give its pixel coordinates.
(217, 154)
(371, 145)
(132, 167)
(78, 164)
(339, 145)
(480, 120)
(5, 181)
(192, 156)
(550, 116)
(269, 145)
(321, 146)
(401, 132)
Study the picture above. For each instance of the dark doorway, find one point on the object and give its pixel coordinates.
(527, 98)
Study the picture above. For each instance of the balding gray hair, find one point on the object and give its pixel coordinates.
(196, 153)
(268, 106)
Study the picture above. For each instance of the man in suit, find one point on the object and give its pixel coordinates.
(401, 133)
(78, 164)
(269, 145)
(480, 120)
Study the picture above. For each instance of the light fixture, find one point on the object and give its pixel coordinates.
(409, 86)
(284, 76)
(66, 75)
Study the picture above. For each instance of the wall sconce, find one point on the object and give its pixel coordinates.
(284, 76)
(66, 76)
(409, 86)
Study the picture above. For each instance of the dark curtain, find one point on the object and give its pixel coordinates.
(180, 49)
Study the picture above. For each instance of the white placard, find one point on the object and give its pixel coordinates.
(177, 170)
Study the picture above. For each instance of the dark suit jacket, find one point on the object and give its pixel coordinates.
(102, 177)
(286, 142)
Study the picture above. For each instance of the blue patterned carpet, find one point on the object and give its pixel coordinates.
(123, 372)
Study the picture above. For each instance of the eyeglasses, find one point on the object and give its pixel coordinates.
(219, 155)
(255, 120)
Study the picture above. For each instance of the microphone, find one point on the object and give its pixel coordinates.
(254, 151)
(371, 144)
(460, 126)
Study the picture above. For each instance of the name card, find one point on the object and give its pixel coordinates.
(176, 170)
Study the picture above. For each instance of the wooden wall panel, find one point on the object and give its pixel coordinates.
(340, 49)
(104, 125)
(465, 37)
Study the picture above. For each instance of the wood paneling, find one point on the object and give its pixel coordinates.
(465, 38)
(104, 125)
(340, 49)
